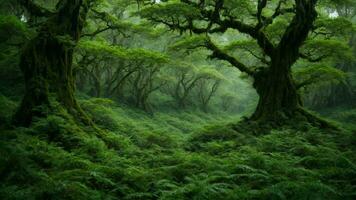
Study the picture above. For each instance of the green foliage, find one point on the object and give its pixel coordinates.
(104, 49)
(10, 28)
(173, 9)
(100, 111)
(173, 153)
(189, 43)
(7, 108)
(318, 74)
(210, 73)
(168, 156)
(336, 49)
(335, 26)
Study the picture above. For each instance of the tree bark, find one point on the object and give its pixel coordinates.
(46, 63)
(277, 91)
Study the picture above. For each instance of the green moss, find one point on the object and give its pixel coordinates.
(168, 156)
(7, 108)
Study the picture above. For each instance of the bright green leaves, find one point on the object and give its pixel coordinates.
(241, 8)
(101, 49)
(190, 43)
(175, 15)
(147, 55)
(316, 50)
(276, 30)
(242, 44)
(321, 57)
(210, 73)
(248, 46)
(339, 3)
(331, 27)
(318, 74)
(174, 10)
(115, 17)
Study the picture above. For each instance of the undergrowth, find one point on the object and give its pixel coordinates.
(168, 156)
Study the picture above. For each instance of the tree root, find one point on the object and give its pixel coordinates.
(299, 119)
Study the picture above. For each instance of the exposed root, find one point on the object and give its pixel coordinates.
(317, 121)
(299, 119)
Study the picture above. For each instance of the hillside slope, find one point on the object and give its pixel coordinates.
(171, 156)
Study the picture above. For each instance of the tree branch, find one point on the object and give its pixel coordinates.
(311, 59)
(254, 32)
(307, 82)
(219, 54)
(230, 22)
(260, 6)
(298, 30)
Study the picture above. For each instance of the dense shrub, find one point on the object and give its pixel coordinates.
(168, 156)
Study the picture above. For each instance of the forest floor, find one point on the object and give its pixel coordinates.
(173, 155)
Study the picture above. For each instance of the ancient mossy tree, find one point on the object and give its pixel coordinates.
(46, 60)
(278, 28)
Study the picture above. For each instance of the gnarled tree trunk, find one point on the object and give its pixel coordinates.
(279, 97)
(280, 100)
(277, 91)
(46, 63)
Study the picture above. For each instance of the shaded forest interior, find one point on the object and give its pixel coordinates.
(178, 99)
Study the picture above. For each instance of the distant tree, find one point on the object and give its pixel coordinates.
(117, 78)
(98, 65)
(208, 86)
(280, 29)
(145, 81)
(227, 101)
(184, 79)
(121, 72)
(191, 84)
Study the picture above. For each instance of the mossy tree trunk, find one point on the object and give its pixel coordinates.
(275, 86)
(278, 92)
(278, 95)
(273, 81)
(46, 63)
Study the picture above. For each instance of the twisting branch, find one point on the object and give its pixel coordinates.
(229, 22)
(216, 13)
(260, 58)
(261, 5)
(278, 12)
(109, 26)
(219, 54)
(254, 32)
(101, 30)
(299, 28)
(308, 81)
